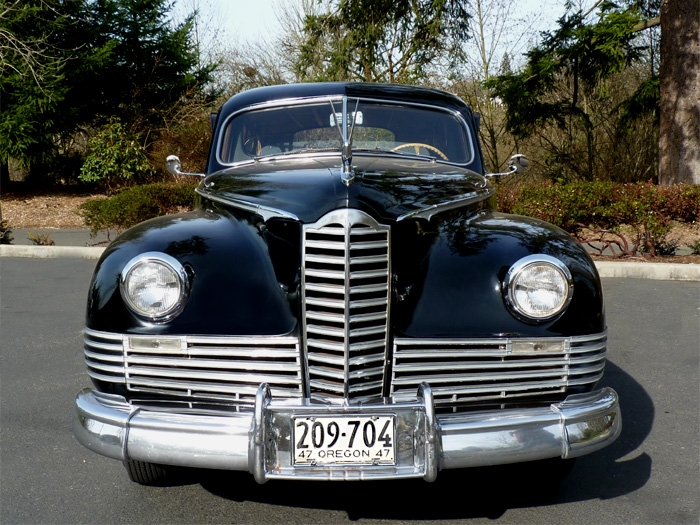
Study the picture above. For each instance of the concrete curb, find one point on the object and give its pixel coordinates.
(654, 271)
(50, 252)
(631, 270)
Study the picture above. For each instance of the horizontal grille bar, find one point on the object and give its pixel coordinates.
(197, 367)
(465, 371)
(346, 278)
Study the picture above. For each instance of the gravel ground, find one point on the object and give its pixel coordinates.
(55, 211)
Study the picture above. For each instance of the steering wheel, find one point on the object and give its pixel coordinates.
(417, 146)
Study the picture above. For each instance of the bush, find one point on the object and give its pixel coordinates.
(136, 204)
(695, 247)
(586, 208)
(40, 239)
(115, 158)
(5, 233)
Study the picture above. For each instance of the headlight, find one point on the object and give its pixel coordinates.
(538, 287)
(155, 286)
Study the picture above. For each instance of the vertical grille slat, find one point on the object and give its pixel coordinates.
(346, 283)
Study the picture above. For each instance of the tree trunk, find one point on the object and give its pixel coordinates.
(679, 132)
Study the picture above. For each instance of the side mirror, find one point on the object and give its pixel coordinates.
(517, 163)
(173, 165)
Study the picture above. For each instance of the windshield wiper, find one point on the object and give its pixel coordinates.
(295, 152)
(377, 149)
(393, 152)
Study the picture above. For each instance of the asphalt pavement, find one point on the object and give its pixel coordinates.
(649, 475)
(79, 243)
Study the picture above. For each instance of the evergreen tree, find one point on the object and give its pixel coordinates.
(153, 66)
(32, 78)
(380, 40)
(68, 67)
(566, 71)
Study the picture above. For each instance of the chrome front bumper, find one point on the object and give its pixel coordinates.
(260, 442)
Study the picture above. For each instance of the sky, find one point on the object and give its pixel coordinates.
(245, 21)
(250, 19)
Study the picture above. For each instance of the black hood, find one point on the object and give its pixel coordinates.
(306, 188)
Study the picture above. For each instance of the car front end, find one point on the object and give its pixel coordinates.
(351, 311)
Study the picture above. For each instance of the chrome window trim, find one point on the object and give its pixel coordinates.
(275, 104)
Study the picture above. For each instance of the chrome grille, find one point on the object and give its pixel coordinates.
(495, 370)
(201, 368)
(346, 278)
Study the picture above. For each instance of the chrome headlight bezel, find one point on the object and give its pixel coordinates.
(521, 270)
(179, 275)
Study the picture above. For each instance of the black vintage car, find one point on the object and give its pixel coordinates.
(344, 303)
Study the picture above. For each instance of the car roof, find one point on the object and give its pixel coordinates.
(394, 92)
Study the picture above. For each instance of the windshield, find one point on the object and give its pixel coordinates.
(378, 126)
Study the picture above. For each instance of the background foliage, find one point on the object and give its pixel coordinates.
(137, 204)
(67, 68)
(114, 158)
(645, 212)
(101, 91)
(583, 104)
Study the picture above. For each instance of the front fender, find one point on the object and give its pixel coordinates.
(455, 288)
(235, 290)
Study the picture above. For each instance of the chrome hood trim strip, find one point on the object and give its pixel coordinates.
(463, 200)
(265, 212)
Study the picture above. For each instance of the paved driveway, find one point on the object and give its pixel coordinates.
(650, 475)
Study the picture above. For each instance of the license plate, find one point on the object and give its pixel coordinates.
(341, 440)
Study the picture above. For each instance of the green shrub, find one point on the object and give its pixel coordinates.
(136, 204)
(664, 246)
(40, 239)
(695, 247)
(115, 158)
(5, 233)
(603, 206)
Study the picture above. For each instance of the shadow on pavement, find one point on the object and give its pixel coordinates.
(480, 492)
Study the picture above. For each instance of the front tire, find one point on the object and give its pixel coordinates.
(143, 473)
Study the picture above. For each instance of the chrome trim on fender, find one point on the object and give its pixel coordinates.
(196, 369)
(466, 372)
(258, 440)
(462, 200)
(266, 212)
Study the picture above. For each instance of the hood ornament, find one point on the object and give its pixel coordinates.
(347, 174)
